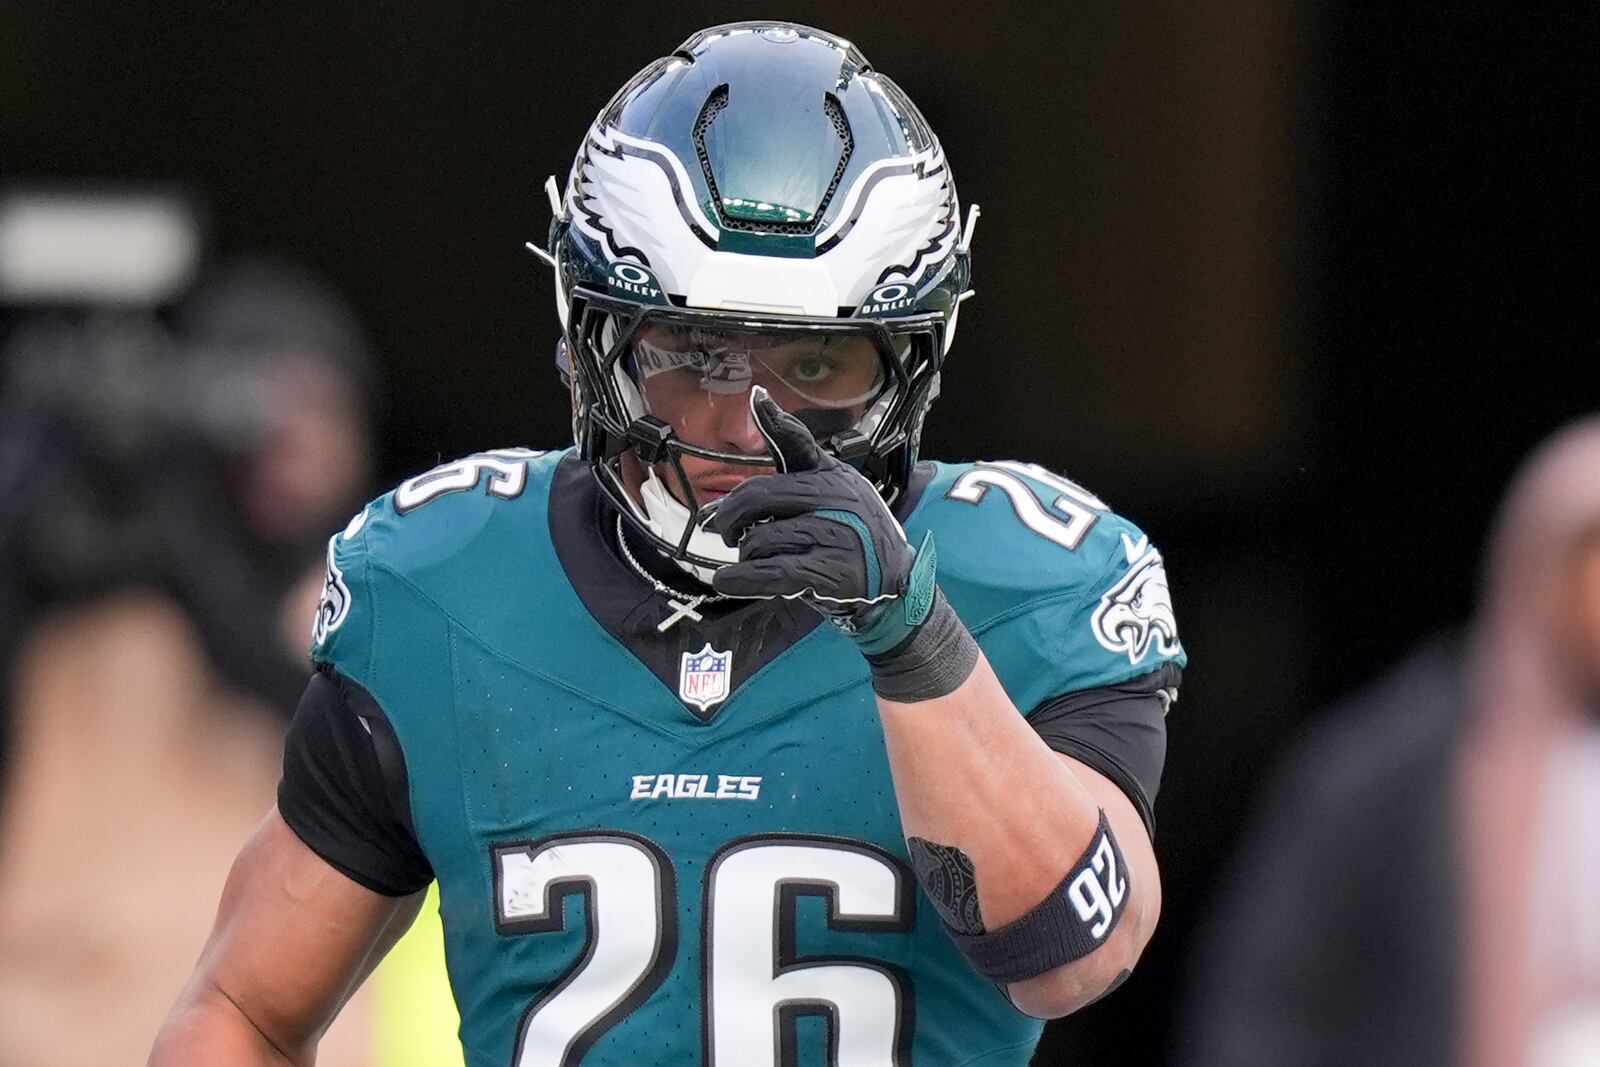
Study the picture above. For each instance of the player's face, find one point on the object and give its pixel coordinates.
(698, 380)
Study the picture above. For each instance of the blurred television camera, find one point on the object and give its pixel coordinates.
(166, 423)
(102, 414)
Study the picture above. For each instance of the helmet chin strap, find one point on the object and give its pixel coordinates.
(667, 516)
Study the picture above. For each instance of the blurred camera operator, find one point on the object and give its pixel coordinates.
(304, 464)
(204, 459)
(170, 455)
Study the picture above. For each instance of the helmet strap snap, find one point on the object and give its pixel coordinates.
(649, 436)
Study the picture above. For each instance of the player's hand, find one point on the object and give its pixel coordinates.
(818, 531)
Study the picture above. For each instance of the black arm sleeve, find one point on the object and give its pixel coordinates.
(344, 790)
(1119, 730)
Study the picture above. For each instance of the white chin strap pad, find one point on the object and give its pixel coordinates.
(666, 517)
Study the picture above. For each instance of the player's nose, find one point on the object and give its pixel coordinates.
(736, 427)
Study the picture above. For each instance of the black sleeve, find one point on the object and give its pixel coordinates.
(1119, 730)
(344, 789)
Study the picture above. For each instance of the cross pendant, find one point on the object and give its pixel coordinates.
(680, 610)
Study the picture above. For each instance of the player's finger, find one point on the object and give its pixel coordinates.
(791, 444)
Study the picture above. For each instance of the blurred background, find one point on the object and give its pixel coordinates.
(1297, 287)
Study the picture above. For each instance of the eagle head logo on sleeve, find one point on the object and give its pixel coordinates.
(334, 606)
(335, 603)
(1135, 615)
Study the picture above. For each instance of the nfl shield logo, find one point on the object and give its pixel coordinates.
(703, 677)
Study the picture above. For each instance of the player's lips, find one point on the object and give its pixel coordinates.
(715, 488)
(714, 484)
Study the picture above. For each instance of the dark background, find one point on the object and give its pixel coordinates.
(1294, 288)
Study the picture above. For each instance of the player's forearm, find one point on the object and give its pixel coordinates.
(970, 773)
(973, 779)
(206, 1028)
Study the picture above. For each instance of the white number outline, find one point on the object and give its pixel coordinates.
(1081, 507)
(898, 918)
(557, 888)
(786, 955)
(507, 469)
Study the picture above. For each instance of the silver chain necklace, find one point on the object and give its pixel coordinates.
(683, 605)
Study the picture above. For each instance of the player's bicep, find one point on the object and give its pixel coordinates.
(1120, 730)
(294, 937)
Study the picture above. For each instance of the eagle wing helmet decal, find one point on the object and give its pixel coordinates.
(634, 197)
(902, 210)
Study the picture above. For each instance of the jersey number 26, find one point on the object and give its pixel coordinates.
(754, 981)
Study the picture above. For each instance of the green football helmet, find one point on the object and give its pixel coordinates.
(759, 207)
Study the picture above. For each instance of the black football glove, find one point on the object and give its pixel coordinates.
(818, 531)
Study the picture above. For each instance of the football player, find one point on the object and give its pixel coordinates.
(734, 734)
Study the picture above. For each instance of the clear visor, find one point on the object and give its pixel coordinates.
(697, 378)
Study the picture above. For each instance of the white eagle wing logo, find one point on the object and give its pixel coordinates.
(1135, 615)
(634, 197)
(900, 211)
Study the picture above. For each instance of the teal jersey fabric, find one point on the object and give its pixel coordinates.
(623, 882)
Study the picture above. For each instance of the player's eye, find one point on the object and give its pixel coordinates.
(811, 370)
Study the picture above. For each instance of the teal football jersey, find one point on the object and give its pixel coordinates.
(627, 880)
